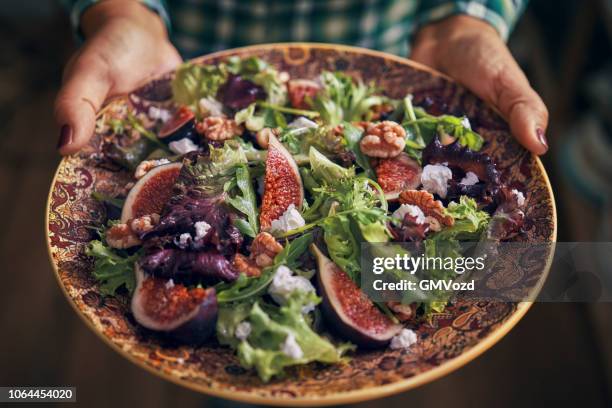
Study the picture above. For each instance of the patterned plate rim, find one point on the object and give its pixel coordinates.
(345, 397)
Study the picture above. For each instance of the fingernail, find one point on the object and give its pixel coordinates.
(542, 137)
(65, 136)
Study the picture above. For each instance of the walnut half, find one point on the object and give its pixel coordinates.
(384, 140)
(219, 128)
(263, 250)
(121, 236)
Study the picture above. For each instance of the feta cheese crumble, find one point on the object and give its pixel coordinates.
(210, 106)
(183, 146)
(412, 210)
(403, 339)
(470, 179)
(183, 240)
(285, 283)
(302, 122)
(291, 348)
(201, 229)
(435, 179)
(466, 123)
(290, 220)
(156, 113)
(520, 198)
(170, 284)
(243, 330)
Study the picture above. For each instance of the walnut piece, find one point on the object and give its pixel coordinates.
(121, 236)
(147, 165)
(246, 265)
(263, 250)
(144, 224)
(219, 128)
(401, 311)
(430, 207)
(384, 140)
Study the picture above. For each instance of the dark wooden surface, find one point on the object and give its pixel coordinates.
(558, 354)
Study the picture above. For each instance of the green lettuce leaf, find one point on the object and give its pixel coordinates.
(270, 327)
(469, 225)
(326, 170)
(252, 122)
(344, 99)
(210, 174)
(193, 82)
(342, 244)
(112, 269)
(261, 73)
(469, 220)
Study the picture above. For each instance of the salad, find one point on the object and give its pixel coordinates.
(251, 194)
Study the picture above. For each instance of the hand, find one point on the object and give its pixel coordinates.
(125, 44)
(471, 51)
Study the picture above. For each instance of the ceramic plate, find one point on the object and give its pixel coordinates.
(449, 341)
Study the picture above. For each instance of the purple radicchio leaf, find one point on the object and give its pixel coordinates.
(409, 230)
(208, 266)
(459, 157)
(238, 93)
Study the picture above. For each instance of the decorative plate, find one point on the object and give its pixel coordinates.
(449, 341)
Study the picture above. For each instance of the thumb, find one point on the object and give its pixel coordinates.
(85, 87)
(522, 107)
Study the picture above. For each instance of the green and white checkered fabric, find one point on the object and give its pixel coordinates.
(202, 26)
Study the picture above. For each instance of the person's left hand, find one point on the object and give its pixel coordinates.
(472, 52)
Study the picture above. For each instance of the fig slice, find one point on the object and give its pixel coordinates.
(186, 315)
(179, 126)
(398, 174)
(300, 90)
(282, 184)
(151, 192)
(348, 310)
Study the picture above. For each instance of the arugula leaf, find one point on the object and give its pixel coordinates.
(103, 198)
(111, 269)
(293, 250)
(352, 135)
(422, 128)
(290, 111)
(245, 288)
(246, 203)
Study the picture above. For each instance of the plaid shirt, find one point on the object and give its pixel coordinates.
(202, 26)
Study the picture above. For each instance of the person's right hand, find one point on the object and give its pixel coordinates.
(125, 44)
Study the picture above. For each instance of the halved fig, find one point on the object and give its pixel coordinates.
(398, 174)
(151, 192)
(282, 184)
(299, 90)
(187, 315)
(179, 126)
(348, 310)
